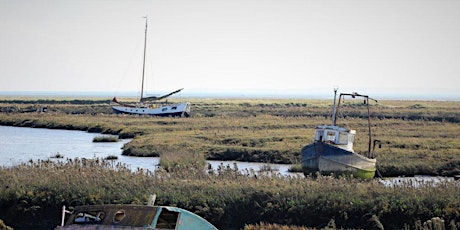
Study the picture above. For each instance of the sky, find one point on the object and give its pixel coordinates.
(390, 47)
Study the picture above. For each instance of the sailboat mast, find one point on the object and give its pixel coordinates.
(143, 64)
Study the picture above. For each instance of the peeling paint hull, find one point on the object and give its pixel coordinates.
(328, 159)
(105, 217)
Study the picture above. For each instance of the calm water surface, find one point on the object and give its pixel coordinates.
(19, 144)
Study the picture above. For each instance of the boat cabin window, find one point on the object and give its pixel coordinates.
(164, 109)
(334, 136)
(330, 136)
(89, 217)
(319, 135)
(325, 135)
(167, 219)
(119, 216)
(174, 108)
(343, 138)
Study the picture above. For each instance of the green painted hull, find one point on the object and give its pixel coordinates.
(363, 174)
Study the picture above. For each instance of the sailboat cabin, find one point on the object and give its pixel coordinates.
(338, 136)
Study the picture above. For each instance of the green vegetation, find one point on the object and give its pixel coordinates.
(435, 223)
(420, 137)
(295, 168)
(106, 138)
(3, 226)
(182, 161)
(111, 157)
(57, 155)
(225, 196)
(268, 168)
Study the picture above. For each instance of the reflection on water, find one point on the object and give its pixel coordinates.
(19, 144)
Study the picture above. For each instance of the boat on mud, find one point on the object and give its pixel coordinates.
(152, 109)
(153, 106)
(332, 150)
(124, 216)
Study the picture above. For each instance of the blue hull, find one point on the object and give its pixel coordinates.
(328, 159)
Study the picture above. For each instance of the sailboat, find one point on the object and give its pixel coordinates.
(151, 105)
(332, 150)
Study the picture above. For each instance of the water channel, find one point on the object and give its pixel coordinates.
(20, 144)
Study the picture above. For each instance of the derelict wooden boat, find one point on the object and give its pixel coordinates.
(123, 216)
(332, 150)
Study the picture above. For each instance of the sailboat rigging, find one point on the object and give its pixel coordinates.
(150, 105)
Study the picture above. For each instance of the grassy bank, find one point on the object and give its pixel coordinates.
(106, 138)
(423, 136)
(226, 197)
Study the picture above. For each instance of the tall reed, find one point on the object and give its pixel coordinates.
(226, 196)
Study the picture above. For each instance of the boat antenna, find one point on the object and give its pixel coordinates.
(334, 108)
(143, 64)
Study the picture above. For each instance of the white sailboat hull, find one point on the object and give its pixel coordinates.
(180, 109)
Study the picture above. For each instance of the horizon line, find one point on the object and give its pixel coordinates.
(258, 94)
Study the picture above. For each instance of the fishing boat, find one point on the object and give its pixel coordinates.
(332, 150)
(153, 105)
(127, 216)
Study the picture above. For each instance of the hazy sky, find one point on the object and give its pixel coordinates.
(368, 46)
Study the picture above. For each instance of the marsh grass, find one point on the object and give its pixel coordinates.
(434, 223)
(57, 155)
(3, 226)
(105, 138)
(111, 157)
(226, 196)
(182, 160)
(268, 168)
(265, 226)
(422, 136)
(295, 168)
